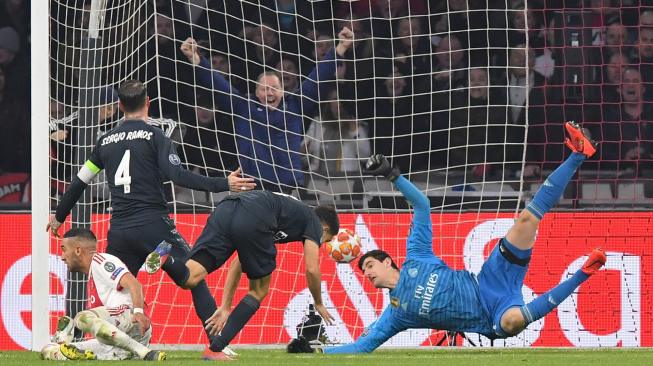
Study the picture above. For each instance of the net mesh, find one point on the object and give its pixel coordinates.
(467, 98)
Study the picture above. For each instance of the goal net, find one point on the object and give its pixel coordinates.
(468, 98)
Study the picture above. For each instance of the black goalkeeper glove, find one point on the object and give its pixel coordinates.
(299, 345)
(378, 164)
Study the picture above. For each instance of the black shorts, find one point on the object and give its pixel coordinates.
(133, 244)
(231, 228)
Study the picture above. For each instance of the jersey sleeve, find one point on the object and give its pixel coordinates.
(170, 165)
(107, 271)
(373, 337)
(420, 240)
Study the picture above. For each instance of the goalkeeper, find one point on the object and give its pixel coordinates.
(426, 293)
(114, 316)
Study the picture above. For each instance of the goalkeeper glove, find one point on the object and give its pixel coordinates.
(378, 164)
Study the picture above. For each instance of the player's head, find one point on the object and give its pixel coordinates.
(133, 97)
(77, 248)
(378, 267)
(329, 219)
(269, 90)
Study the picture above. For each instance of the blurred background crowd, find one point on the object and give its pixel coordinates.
(440, 86)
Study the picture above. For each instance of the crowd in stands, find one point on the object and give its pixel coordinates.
(436, 85)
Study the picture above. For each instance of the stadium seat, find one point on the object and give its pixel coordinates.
(630, 191)
(596, 191)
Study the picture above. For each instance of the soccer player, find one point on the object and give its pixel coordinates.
(251, 223)
(138, 158)
(426, 293)
(114, 316)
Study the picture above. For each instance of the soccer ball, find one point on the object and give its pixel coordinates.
(344, 247)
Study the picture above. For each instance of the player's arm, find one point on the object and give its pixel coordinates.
(325, 69)
(217, 321)
(85, 175)
(314, 278)
(373, 337)
(419, 242)
(170, 165)
(131, 284)
(212, 78)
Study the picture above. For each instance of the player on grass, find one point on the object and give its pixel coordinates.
(114, 316)
(426, 293)
(138, 158)
(251, 223)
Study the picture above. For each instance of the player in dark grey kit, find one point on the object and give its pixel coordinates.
(251, 223)
(138, 158)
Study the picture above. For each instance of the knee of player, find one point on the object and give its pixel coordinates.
(259, 293)
(84, 319)
(512, 322)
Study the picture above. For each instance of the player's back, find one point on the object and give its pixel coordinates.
(429, 294)
(289, 218)
(129, 154)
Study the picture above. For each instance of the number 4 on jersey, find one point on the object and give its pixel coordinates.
(122, 177)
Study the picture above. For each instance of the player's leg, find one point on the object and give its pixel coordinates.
(521, 236)
(95, 321)
(516, 319)
(243, 312)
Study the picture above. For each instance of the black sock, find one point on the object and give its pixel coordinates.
(204, 305)
(177, 270)
(244, 311)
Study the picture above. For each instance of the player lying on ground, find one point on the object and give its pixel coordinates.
(251, 223)
(426, 293)
(114, 315)
(138, 158)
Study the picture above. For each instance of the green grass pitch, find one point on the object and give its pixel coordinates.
(447, 357)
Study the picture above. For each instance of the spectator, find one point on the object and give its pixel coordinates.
(289, 74)
(208, 149)
(336, 142)
(14, 125)
(616, 39)
(411, 48)
(627, 132)
(449, 72)
(544, 62)
(269, 128)
(612, 78)
(262, 51)
(644, 57)
(477, 130)
(16, 67)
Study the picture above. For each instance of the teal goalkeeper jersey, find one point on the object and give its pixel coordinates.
(429, 294)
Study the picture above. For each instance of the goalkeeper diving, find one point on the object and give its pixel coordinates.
(426, 293)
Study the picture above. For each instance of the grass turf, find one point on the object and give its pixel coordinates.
(448, 357)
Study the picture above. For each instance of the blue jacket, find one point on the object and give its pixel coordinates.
(269, 140)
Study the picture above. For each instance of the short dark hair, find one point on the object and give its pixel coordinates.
(378, 255)
(328, 215)
(269, 73)
(132, 95)
(80, 232)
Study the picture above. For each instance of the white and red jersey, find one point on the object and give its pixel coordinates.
(104, 283)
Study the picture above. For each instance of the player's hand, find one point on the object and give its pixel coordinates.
(324, 313)
(142, 320)
(53, 226)
(59, 135)
(238, 183)
(378, 164)
(189, 49)
(346, 37)
(216, 322)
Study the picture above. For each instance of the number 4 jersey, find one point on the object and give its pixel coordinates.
(138, 158)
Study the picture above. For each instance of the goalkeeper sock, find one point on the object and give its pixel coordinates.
(543, 305)
(553, 187)
(204, 304)
(241, 314)
(177, 270)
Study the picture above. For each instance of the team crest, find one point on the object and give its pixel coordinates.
(412, 272)
(174, 159)
(109, 267)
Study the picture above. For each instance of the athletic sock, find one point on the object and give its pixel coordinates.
(553, 187)
(543, 305)
(177, 270)
(241, 314)
(204, 304)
